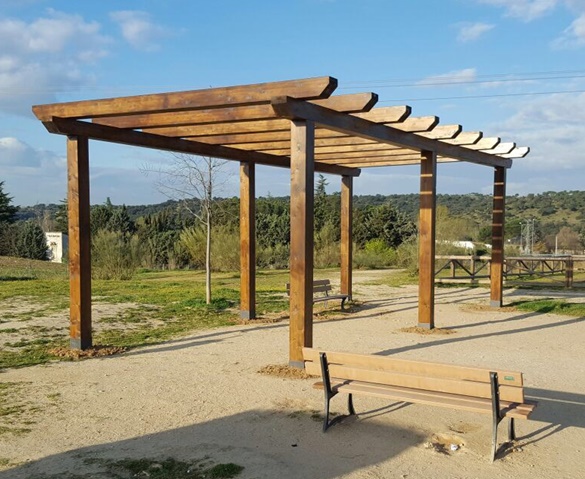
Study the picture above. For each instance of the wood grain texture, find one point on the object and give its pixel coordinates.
(346, 235)
(247, 241)
(427, 227)
(498, 221)
(301, 239)
(79, 242)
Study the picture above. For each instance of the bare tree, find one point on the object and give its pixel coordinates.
(193, 180)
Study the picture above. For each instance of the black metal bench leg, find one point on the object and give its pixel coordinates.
(342, 303)
(495, 438)
(511, 430)
(326, 418)
(350, 405)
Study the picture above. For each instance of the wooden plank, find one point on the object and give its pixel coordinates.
(444, 385)
(468, 403)
(169, 121)
(501, 148)
(484, 144)
(498, 220)
(311, 88)
(247, 240)
(442, 132)
(295, 109)
(148, 140)
(518, 152)
(301, 240)
(466, 138)
(391, 363)
(346, 251)
(79, 242)
(426, 235)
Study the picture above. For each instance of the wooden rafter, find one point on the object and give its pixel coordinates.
(295, 109)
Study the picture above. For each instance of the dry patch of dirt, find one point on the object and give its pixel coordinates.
(426, 332)
(95, 352)
(284, 371)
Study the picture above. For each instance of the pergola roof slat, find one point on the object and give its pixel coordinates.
(295, 109)
(308, 89)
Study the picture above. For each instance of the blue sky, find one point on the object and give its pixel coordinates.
(510, 68)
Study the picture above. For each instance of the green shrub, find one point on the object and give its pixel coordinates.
(114, 255)
(374, 255)
(31, 242)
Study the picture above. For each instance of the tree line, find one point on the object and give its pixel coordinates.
(169, 236)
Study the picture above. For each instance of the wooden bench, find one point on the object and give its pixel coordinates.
(499, 393)
(322, 287)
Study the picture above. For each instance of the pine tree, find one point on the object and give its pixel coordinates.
(31, 242)
(7, 211)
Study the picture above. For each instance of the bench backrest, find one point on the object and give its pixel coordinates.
(319, 286)
(443, 378)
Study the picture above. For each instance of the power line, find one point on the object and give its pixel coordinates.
(495, 95)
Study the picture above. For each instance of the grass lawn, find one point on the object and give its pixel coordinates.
(175, 299)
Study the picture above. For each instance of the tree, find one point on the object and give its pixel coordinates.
(192, 180)
(31, 242)
(7, 211)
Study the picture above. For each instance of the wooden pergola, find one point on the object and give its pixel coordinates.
(292, 124)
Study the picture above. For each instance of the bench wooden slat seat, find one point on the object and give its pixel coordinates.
(321, 290)
(499, 393)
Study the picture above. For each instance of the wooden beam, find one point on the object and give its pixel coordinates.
(301, 240)
(148, 140)
(518, 152)
(311, 88)
(79, 242)
(498, 220)
(466, 138)
(346, 235)
(442, 132)
(169, 120)
(247, 240)
(501, 149)
(426, 237)
(484, 144)
(296, 109)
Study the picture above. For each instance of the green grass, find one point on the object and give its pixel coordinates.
(396, 278)
(549, 305)
(168, 468)
(172, 301)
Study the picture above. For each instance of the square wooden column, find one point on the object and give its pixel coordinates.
(498, 217)
(79, 242)
(426, 256)
(301, 239)
(346, 234)
(247, 240)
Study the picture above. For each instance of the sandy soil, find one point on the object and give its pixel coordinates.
(202, 396)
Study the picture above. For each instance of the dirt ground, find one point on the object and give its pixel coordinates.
(202, 396)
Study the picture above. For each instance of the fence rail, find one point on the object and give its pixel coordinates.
(476, 268)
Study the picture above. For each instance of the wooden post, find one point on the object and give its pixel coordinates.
(247, 240)
(79, 242)
(569, 272)
(426, 258)
(301, 239)
(498, 217)
(346, 234)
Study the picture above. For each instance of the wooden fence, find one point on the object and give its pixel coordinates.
(559, 269)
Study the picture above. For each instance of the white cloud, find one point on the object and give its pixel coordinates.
(138, 29)
(554, 128)
(469, 32)
(44, 57)
(573, 36)
(448, 79)
(525, 10)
